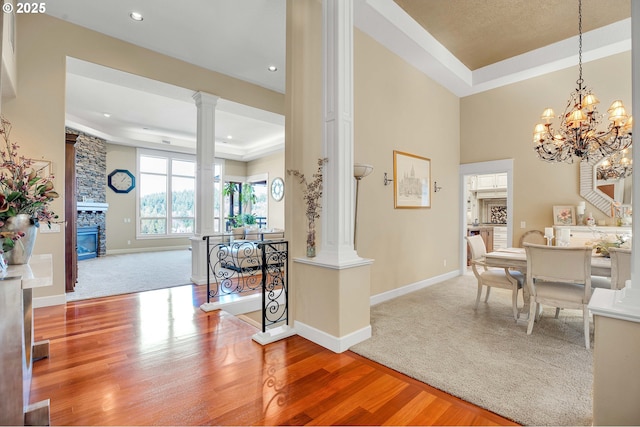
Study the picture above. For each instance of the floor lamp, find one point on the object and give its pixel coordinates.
(360, 170)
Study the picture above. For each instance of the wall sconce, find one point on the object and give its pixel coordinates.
(360, 170)
(387, 180)
(435, 187)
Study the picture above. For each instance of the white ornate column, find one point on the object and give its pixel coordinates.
(338, 194)
(332, 306)
(205, 155)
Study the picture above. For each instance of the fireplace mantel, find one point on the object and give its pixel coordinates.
(92, 207)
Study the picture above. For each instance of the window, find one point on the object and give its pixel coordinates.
(217, 195)
(260, 207)
(166, 196)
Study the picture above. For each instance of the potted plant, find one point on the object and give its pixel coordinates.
(249, 219)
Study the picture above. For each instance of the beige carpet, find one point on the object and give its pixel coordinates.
(126, 273)
(484, 357)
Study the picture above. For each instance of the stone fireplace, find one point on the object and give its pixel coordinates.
(91, 189)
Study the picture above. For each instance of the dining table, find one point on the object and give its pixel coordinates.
(516, 258)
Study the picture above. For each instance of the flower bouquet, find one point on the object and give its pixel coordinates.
(606, 242)
(23, 189)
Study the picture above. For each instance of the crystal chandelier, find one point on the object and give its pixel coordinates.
(578, 134)
(614, 167)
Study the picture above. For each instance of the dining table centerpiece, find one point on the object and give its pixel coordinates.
(26, 193)
(605, 242)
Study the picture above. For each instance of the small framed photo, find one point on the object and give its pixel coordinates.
(564, 215)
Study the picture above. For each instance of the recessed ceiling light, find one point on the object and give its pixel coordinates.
(229, 137)
(136, 16)
(272, 68)
(107, 115)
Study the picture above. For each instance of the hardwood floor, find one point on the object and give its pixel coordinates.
(154, 358)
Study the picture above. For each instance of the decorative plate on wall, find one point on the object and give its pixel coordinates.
(277, 189)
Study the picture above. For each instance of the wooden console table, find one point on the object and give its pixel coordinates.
(18, 351)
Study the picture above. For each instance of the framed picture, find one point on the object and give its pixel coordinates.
(42, 167)
(411, 181)
(564, 215)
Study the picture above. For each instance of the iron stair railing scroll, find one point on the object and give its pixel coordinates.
(249, 266)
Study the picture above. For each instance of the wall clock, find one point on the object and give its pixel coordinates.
(277, 189)
(121, 181)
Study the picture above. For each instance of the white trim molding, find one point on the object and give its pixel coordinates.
(333, 343)
(395, 293)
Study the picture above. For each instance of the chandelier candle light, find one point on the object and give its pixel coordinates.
(614, 167)
(578, 133)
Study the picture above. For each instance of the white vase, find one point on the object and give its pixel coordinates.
(22, 249)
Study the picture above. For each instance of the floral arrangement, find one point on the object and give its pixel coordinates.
(312, 195)
(9, 239)
(22, 189)
(605, 242)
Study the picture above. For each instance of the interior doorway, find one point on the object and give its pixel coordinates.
(468, 170)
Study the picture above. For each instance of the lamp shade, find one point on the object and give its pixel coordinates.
(589, 102)
(360, 170)
(615, 104)
(547, 115)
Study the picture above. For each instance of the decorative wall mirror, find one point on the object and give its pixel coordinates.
(603, 193)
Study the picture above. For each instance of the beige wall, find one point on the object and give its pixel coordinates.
(498, 124)
(399, 108)
(273, 166)
(396, 108)
(38, 111)
(235, 168)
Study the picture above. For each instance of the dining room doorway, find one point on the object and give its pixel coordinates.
(494, 167)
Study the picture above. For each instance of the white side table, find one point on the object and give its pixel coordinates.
(18, 351)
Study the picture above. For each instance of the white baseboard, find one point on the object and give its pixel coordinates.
(198, 280)
(273, 335)
(333, 343)
(49, 301)
(395, 293)
(153, 249)
(235, 305)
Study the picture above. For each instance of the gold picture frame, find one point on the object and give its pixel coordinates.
(411, 181)
(564, 215)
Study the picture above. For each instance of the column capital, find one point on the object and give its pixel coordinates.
(205, 98)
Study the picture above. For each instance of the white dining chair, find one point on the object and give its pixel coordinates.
(620, 267)
(559, 277)
(493, 277)
(533, 236)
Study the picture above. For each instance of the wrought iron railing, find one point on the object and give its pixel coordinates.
(247, 267)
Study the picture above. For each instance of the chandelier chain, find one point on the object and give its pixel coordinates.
(580, 81)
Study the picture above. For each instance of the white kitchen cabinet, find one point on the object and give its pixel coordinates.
(472, 183)
(494, 181)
